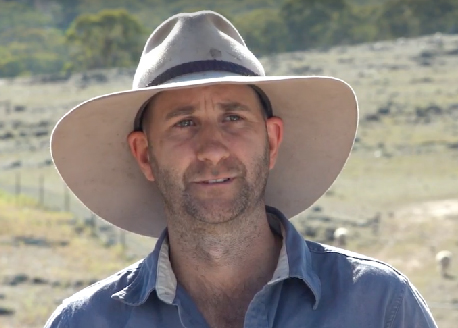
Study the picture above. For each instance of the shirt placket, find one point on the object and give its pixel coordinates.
(256, 315)
(190, 316)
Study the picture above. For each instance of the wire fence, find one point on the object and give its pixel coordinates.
(46, 198)
(51, 193)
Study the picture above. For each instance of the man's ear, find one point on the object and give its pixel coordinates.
(274, 127)
(138, 143)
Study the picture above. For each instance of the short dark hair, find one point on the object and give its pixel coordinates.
(142, 113)
(264, 100)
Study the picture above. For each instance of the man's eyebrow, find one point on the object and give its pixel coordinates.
(233, 106)
(190, 109)
(180, 111)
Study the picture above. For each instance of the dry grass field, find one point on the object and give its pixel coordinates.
(404, 169)
(45, 257)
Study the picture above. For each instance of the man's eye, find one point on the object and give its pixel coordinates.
(184, 123)
(233, 118)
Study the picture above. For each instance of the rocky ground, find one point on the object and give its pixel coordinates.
(397, 194)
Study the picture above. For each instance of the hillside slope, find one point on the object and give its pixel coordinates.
(48, 253)
(403, 169)
(45, 257)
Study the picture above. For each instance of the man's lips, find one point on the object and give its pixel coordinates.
(214, 181)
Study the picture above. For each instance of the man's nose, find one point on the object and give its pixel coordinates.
(211, 145)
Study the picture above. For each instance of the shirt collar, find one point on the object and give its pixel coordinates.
(295, 260)
(145, 280)
(156, 274)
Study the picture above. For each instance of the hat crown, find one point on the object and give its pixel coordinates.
(196, 42)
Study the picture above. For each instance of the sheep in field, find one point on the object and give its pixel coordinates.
(444, 259)
(340, 236)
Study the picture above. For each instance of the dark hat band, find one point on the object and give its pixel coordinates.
(200, 66)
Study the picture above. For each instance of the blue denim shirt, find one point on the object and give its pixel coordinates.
(314, 285)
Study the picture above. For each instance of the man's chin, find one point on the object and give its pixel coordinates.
(216, 212)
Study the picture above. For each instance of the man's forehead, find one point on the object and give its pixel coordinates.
(248, 97)
(189, 97)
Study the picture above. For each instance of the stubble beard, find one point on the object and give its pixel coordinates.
(181, 205)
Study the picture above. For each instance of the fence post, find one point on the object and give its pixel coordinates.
(17, 187)
(122, 239)
(93, 225)
(66, 199)
(7, 106)
(41, 189)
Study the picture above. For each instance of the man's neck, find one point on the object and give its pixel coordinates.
(232, 262)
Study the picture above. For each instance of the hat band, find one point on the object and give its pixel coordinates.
(200, 66)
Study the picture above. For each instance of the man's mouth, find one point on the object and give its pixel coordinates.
(216, 181)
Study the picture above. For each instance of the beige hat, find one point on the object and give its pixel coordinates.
(89, 144)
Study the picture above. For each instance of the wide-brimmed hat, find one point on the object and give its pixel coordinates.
(89, 144)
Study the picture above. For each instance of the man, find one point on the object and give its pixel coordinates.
(212, 156)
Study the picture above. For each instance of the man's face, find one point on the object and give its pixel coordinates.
(209, 151)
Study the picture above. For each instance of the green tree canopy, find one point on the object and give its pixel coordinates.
(263, 31)
(44, 36)
(312, 22)
(66, 12)
(14, 15)
(29, 44)
(108, 39)
(415, 17)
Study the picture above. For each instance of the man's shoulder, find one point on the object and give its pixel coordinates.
(107, 286)
(355, 279)
(356, 266)
(94, 298)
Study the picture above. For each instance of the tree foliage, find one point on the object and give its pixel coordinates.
(256, 24)
(48, 36)
(28, 42)
(416, 17)
(107, 39)
(312, 23)
(67, 11)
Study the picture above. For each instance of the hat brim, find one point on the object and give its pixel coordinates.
(90, 150)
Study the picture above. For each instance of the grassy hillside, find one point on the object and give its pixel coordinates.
(403, 168)
(45, 257)
(47, 253)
